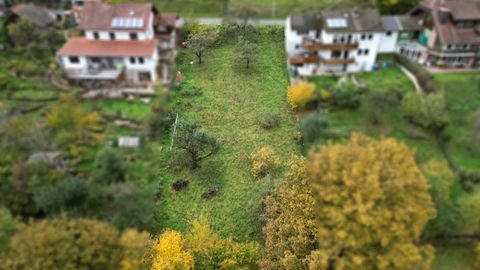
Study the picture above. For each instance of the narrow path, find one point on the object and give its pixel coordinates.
(412, 78)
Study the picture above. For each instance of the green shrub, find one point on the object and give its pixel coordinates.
(346, 97)
(110, 166)
(25, 68)
(76, 197)
(314, 128)
(6, 82)
(134, 210)
(160, 122)
(426, 110)
(7, 227)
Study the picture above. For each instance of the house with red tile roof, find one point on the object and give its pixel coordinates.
(119, 42)
(450, 37)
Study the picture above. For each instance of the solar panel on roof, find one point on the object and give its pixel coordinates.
(128, 23)
(337, 23)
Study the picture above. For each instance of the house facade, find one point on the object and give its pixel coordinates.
(450, 37)
(119, 42)
(347, 41)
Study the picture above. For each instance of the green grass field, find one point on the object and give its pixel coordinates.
(265, 8)
(233, 103)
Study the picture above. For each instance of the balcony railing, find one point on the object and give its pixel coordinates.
(320, 46)
(337, 61)
(314, 59)
(94, 74)
(300, 60)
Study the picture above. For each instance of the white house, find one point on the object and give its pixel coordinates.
(342, 41)
(120, 42)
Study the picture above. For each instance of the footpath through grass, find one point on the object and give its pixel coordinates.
(232, 106)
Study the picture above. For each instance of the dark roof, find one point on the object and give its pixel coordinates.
(363, 20)
(305, 22)
(35, 14)
(99, 15)
(392, 23)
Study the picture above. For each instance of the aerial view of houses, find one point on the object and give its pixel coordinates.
(247, 134)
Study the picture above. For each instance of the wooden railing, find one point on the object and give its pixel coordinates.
(313, 59)
(318, 46)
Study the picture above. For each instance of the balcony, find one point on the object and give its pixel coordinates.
(94, 74)
(337, 61)
(301, 60)
(319, 46)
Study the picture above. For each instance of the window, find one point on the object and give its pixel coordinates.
(95, 60)
(335, 40)
(74, 59)
(366, 51)
(370, 36)
(359, 52)
(449, 47)
(389, 33)
(363, 37)
(342, 40)
(297, 46)
(336, 54)
(133, 36)
(133, 60)
(141, 60)
(95, 35)
(112, 36)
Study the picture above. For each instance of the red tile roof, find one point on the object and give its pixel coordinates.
(112, 48)
(99, 15)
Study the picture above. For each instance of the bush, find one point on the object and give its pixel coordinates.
(426, 110)
(6, 83)
(314, 127)
(264, 161)
(425, 82)
(76, 197)
(134, 209)
(380, 102)
(111, 167)
(160, 122)
(24, 68)
(7, 227)
(300, 94)
(412, 66)
(346, 97)
(271, 121)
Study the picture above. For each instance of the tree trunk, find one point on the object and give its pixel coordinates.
(194, 162)
(248, 63)
(199, 58)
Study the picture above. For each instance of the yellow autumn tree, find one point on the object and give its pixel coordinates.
(214, 252)
(63, 244)
(72, 123)
(300, 94)
(372, 204)
(133, 245)
(290, 229)
(170, 253)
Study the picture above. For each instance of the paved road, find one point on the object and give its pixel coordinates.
(218, 21)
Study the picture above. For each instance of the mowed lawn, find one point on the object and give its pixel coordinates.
(214, 8)
(232, 106)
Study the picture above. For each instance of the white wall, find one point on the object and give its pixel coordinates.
(69, 65)
(293, 40)
(388, 43)
(119, 35)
